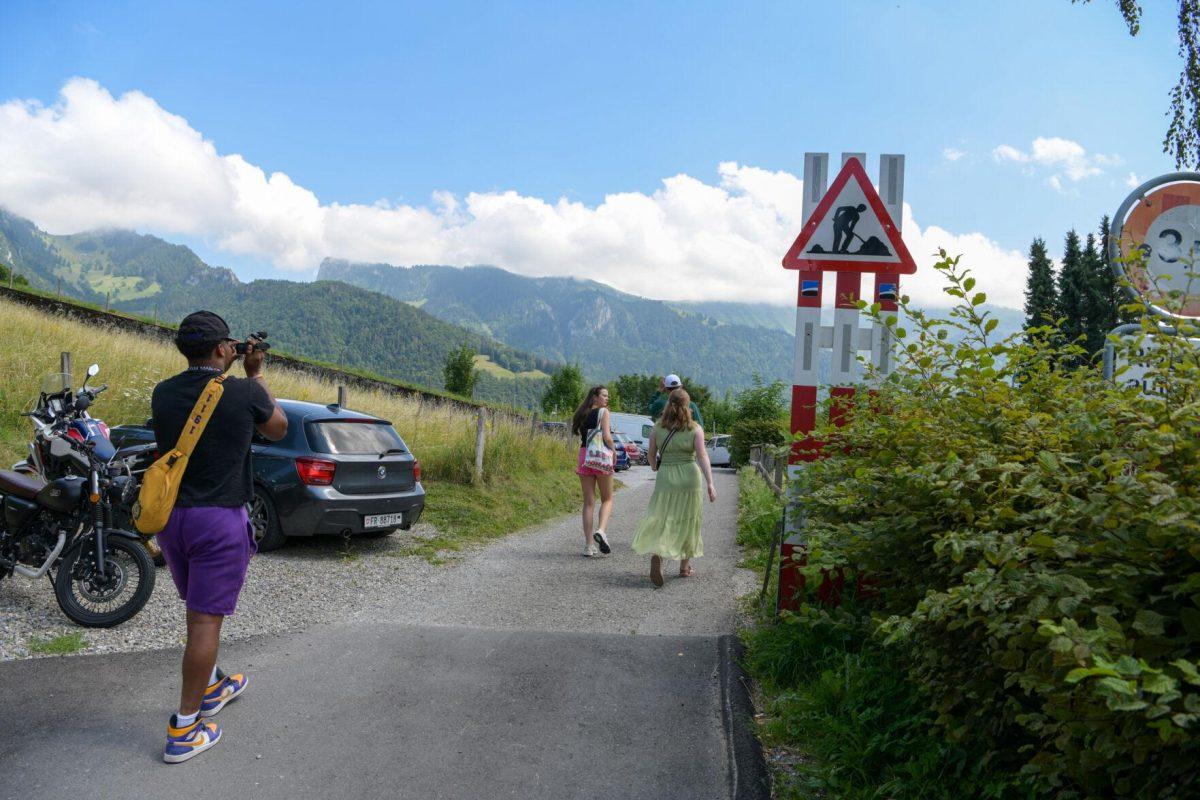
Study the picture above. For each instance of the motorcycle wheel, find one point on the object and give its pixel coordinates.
(96, 604)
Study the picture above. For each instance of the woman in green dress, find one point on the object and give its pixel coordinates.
(671, 527)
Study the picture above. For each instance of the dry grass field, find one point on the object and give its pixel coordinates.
(527, 477)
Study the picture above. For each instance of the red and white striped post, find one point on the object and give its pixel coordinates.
(808, 326)
(844, 372)
(845, 339)
(887, 284)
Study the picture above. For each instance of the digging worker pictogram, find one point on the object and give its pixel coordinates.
(844, 221)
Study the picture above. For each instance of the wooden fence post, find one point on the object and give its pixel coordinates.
(779, 474)
(107, 299)
(479, 437)
(533, 423)
(58, 287)
(64, 366)
(341, 396)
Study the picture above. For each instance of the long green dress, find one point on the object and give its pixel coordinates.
(671, 527)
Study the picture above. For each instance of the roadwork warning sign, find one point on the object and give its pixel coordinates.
(850, 231)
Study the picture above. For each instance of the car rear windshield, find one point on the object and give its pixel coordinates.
(353, 437)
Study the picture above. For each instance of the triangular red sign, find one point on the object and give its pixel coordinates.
(850, 231)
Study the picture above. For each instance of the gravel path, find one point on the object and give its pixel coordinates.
(536, 580)
(307, 582)
(540, 581)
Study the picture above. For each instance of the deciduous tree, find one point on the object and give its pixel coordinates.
(459, 372)
(565, 391)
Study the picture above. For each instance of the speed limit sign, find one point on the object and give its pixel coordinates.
(1160, 221)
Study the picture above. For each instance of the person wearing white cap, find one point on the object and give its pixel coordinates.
(668, 384)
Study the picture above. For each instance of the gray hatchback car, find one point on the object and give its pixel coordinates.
(337, 471)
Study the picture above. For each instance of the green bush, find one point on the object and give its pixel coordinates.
(866, 731)
(761, 418)
(750, 432)
(1032, 534)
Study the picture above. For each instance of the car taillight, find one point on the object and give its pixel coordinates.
(417, 471)
(315, 471)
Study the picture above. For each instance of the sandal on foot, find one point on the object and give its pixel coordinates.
(656, 576)
(687, 572)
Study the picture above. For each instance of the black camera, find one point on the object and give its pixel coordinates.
(260, 343)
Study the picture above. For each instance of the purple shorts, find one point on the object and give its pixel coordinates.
(208, 549)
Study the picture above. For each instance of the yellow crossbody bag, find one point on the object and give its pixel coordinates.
(160, 484)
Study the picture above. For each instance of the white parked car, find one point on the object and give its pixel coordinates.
(718, 450)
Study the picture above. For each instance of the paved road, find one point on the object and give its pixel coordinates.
(527, 671)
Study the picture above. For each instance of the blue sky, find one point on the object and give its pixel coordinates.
(397, 101)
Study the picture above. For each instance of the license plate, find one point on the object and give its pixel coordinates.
(383, 520)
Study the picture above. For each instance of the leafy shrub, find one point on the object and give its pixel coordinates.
(865, 728)
(761, 418)
(750, 432)
(1033, 536)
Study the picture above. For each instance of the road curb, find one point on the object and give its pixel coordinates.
(748, 777)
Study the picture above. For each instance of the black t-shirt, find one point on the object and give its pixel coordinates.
(590, 423)
(218, 472)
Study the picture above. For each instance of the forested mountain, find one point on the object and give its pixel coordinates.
(565, 319)
(525, 326)
(758, 315)
(327, 321)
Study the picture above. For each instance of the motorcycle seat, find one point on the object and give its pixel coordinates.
(20, 485)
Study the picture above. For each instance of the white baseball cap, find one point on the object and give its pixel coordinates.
(672, 381)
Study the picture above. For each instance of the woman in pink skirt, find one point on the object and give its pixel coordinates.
(591, 415)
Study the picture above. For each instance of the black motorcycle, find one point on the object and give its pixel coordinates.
(102, 575)
(59, 403)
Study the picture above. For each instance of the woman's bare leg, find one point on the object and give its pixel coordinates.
(588, 482)
(606, 504)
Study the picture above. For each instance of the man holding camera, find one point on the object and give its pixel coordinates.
(208, 540)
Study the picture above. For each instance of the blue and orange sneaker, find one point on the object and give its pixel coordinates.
(225, 690)
(190, 740)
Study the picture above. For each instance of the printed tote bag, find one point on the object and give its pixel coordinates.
(598, 457)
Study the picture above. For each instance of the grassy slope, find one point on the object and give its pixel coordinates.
(527, 478)
(486, 364)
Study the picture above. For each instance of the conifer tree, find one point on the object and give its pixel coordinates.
(1074, 287)
(1099, 313)
(1111, 287)
(1041, 297)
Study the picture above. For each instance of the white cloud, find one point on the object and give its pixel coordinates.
(92, 160)
(1132, 180)
(1063, 157)
(1008, 153)
(953, 153)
